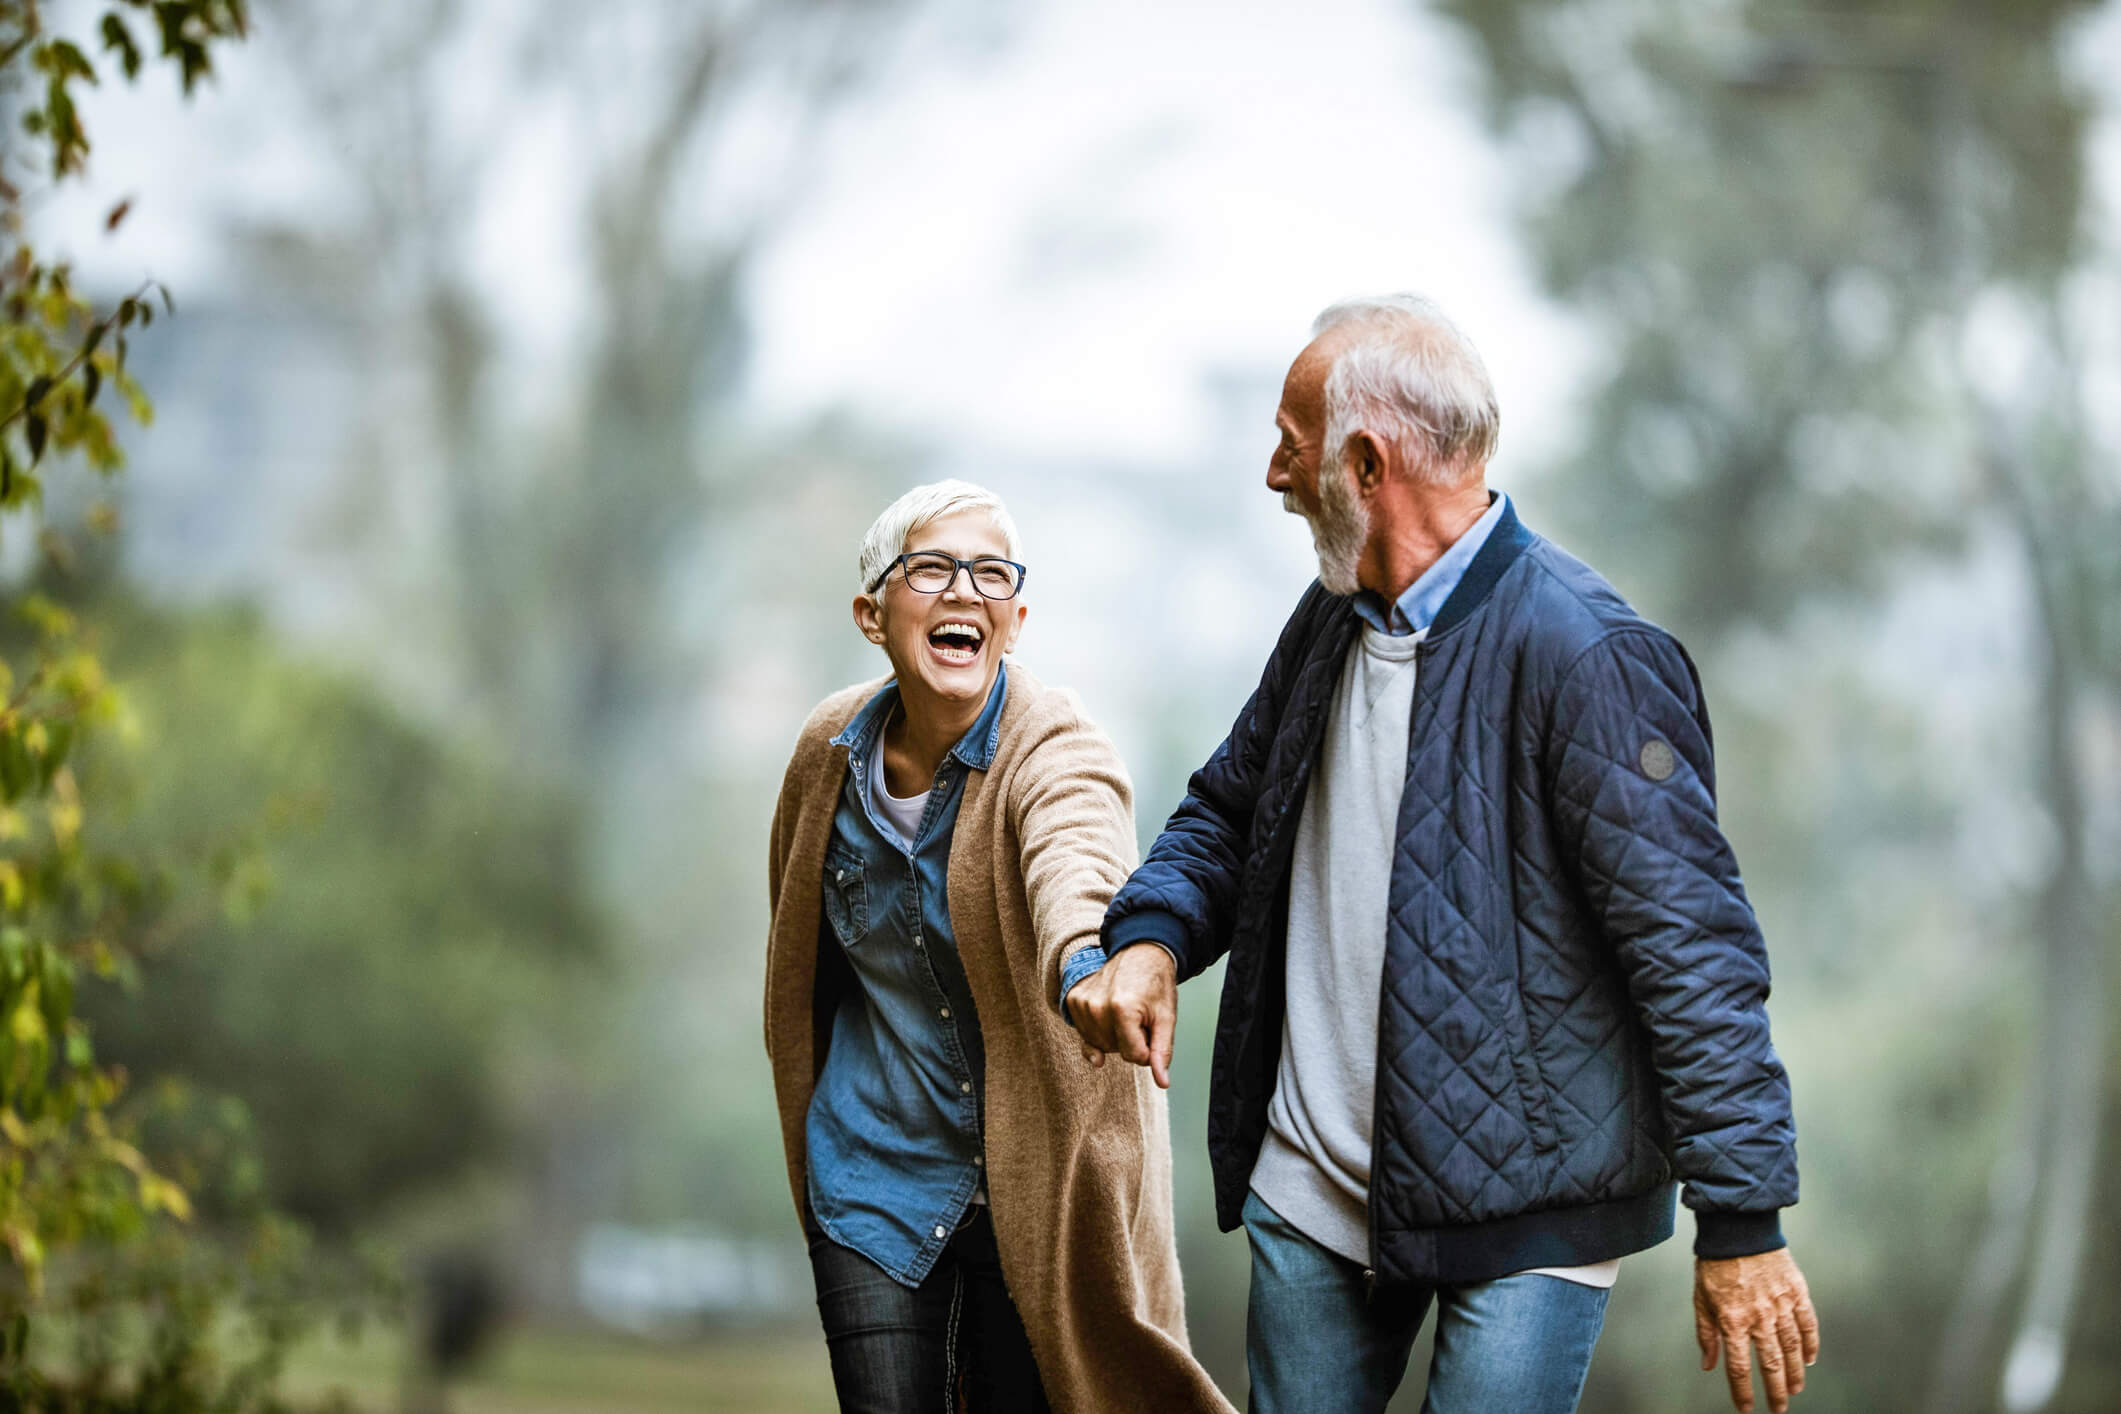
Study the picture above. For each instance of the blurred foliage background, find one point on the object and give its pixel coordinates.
(531, 374)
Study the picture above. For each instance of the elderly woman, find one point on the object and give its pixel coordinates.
(989, 1219)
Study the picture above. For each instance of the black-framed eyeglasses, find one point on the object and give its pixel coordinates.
(931, 572)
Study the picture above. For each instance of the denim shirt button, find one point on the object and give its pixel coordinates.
(946, 1013)
(939, 1232)
(964, 1087)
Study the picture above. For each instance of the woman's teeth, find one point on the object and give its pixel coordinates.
(959, 643)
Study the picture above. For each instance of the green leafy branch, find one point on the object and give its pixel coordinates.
(68, 1170)
(85, 1186)
(184, 30)
(35, 374)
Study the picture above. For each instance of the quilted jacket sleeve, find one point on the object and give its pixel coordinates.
(1633, 803)
(1185, 893)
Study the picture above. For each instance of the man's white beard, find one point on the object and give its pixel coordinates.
(1339, 530)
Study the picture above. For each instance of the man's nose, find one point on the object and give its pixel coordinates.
(1277, 477)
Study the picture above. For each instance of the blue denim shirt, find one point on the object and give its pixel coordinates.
(1413, 611)
(894, 1126)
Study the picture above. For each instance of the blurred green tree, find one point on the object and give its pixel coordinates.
(570, 541)
(91, 1200)
(1834, 267)
(398, 919)
(605, 548)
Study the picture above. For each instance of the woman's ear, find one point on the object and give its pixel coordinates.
(1016, 626)
(869, 618)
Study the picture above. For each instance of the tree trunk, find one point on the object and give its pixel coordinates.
(2041, 1204)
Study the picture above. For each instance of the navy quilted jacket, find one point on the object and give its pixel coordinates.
(1573, 1009)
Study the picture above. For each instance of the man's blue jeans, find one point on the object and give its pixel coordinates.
(1315, 1340)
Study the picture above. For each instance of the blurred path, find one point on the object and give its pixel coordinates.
(584, 1372)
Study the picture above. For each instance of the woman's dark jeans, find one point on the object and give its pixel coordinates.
(954, 1343)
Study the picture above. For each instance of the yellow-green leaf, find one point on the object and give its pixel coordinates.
(158, 1194)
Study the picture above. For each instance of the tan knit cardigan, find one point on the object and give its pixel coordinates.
(1078, 1159)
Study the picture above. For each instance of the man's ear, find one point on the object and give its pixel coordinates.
(869, 618)
(1367, 458)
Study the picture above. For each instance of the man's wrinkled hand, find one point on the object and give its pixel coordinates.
(1744, 1302)
(1129, 1008)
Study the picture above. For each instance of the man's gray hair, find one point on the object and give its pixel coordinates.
(886, 539)
(1409, 375)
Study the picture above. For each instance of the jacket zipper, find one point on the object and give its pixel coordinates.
(1422, 653)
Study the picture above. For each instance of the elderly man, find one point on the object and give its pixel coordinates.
(1494, 982)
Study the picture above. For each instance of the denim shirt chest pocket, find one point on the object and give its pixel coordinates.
(846, 895)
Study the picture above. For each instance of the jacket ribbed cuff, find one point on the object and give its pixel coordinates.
(1719, 1235)
(1150, 925)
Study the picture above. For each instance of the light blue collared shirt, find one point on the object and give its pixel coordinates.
(1416, 609)
(1412, 612)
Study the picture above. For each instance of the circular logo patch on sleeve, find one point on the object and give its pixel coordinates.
(1657, 760)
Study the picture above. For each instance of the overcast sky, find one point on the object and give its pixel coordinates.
(1157, 190)
(1027, 256)
(1045, 245)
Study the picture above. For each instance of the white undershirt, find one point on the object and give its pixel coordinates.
(900, 816)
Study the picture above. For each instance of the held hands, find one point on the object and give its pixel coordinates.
(1742, 1302)
(1129, 1007)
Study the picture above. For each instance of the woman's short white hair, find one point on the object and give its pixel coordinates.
(1409, 375)
(886, 539)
